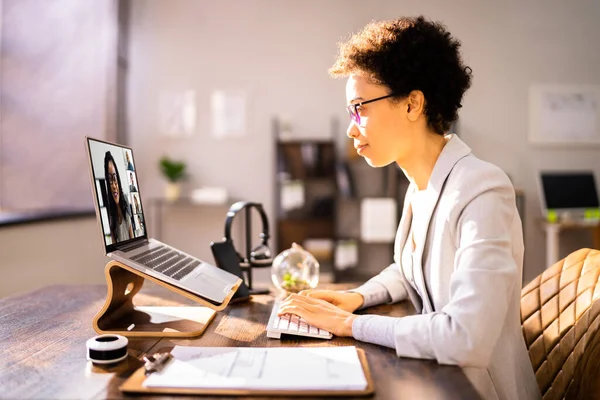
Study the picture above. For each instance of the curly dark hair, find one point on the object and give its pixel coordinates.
(409, 54)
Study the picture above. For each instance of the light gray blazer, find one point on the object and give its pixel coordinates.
(472, 259)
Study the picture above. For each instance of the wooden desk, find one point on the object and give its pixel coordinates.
(43, 336)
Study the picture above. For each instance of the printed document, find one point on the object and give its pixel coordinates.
(275, 368)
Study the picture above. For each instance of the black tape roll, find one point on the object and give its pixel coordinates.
(107, 355)
(107, 349)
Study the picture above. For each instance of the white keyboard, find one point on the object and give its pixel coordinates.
(292, 325)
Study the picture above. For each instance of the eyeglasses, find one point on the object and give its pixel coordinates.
(112, 178)
(353, 108)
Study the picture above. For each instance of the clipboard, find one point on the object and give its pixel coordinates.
(134, 384)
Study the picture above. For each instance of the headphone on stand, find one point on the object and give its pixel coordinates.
(229, 259)
(261, 254)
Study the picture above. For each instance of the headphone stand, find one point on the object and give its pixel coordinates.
(120, 316)
(248, 266)
(247, 270)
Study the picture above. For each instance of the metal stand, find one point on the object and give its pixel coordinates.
(247, 267)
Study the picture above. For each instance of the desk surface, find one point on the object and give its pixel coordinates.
(44, 333)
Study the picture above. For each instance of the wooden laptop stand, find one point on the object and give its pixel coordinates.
(120, 316)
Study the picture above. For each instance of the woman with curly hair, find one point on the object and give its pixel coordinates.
(459, 246)
(119, 214)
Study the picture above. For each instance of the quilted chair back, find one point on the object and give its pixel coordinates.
(560, 315)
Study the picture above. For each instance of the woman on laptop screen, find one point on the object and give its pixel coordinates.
(119, 214)
(459, 246)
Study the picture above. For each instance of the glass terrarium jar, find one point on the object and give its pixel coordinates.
(295, 269)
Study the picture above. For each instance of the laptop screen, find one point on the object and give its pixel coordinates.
(569, 190)
(117, 193)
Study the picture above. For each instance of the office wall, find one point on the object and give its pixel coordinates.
(278, 54)
(70, 252)
(46, 253)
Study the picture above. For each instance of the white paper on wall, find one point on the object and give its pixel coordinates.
(228, 110)
(564, 114)
(378, 220)
(177, 113)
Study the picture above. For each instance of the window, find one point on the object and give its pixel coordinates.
(58, 84)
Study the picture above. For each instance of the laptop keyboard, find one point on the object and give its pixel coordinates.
(167, 261)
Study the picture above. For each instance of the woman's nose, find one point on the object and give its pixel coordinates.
(352, 132)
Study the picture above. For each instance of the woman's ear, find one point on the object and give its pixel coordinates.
(416, 104)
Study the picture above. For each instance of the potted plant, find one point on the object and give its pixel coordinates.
(174, 171)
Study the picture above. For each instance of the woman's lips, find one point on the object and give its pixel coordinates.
(361, 148)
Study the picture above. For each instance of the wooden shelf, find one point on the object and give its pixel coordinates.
(297, 231)
(307, 221)
(315, 163)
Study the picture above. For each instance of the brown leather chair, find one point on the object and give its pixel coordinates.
(560, 314)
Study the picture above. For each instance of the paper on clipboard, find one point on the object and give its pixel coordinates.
(314, 368)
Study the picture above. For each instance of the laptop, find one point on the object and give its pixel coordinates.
(123, 224)
(568, 194)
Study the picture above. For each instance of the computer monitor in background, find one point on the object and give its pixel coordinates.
(568, 194)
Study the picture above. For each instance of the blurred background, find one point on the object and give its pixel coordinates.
(238, 91)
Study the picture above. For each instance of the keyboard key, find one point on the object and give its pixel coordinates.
(313, 330)
(182, 273)
(284, 323)
(173, 267)
(303, 327)
(294, 323)
(145, 253)
(156, 253)
(324, 333)
(164, 258)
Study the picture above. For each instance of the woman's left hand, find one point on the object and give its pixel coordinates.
(319, 313)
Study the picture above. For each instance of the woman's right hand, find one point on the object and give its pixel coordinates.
(347, 301)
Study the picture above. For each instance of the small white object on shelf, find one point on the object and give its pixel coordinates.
(209, 195)
(378, 220)
(346, 254)
(292, 195)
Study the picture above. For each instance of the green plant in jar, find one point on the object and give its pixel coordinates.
(295, 269)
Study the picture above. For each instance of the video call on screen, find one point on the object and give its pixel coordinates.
(116, 188)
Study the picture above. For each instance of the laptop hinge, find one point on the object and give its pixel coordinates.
(132, 246)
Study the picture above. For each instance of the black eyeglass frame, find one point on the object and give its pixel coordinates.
(353, 108)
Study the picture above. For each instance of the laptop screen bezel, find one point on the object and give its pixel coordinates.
(542, 191)
(115, 246)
